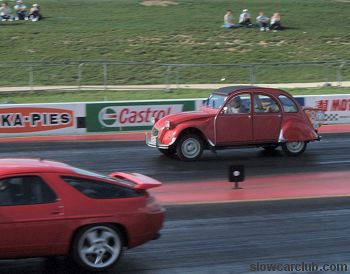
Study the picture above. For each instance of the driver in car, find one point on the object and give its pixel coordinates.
(236, 106)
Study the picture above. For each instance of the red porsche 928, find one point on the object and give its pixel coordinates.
(49, 208)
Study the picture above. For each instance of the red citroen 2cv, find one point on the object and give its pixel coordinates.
(236, 116)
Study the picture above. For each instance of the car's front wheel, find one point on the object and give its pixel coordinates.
(189, 147)
(294, 148)
(97, 248)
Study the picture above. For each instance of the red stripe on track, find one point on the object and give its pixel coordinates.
(334, 128)
(312, 185)
(134, 136)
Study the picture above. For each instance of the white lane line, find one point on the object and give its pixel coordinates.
(334, 162)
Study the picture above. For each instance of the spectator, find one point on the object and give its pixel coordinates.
(5, 12)
(20, 9)
(275, 23)
(244, 18)
(262, 21)
(228, 20)
(34, 13)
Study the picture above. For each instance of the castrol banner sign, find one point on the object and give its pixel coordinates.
(336, 107)
(116, 116)
(43, 119)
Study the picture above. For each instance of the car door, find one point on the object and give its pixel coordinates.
(233, 125)
(31, 217)
(267, 118)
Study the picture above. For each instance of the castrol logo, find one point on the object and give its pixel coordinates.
(123, 116)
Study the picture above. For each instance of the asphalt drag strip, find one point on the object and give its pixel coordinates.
(231, 238)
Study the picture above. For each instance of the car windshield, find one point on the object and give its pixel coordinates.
(100, 176)
(215, 101)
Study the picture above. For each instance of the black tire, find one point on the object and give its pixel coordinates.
(168, 152)
(189, 147)
(97, 248)
(294, 148)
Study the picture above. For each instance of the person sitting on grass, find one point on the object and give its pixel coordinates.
(20, 9)
(262, 21)
(275, 23)
(244, 19)
(228, 20)
(5, 12)
(34, 13)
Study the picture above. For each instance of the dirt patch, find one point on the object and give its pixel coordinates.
(159, 3)
(263, 43)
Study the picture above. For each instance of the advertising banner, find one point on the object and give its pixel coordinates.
(130, 116)
(336, 107)
(41, 119)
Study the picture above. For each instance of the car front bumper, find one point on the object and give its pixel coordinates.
(152, 141)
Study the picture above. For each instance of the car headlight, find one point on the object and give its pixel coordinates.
(168, 125)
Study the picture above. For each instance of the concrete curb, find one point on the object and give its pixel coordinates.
(170, 86)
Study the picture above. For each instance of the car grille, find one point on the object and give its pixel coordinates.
(155, 132)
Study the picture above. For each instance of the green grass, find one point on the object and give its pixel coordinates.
(189, 32)
(93, 96)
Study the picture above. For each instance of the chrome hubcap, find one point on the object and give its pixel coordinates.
(190, 148)
(295, 147)
(99, 246)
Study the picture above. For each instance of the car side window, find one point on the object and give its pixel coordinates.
(238, 104)
(98, 189)
(25, 190)
(265, 103)
(288, 104)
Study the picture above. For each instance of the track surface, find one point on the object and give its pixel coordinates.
(331, 154)
(228, 238)
(221, 238)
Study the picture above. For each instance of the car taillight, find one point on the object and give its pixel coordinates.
(152, 204)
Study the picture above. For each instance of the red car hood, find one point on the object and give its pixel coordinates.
(183, 117)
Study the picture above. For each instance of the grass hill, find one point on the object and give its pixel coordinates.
(178, 31)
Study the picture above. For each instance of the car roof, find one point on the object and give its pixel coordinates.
(234, 89)
(10, 166)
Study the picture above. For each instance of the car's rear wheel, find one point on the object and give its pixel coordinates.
(189, 147)
(294, 148)
(168, 152)
(97, 248)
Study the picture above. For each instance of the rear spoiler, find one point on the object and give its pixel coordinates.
(136, 180)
